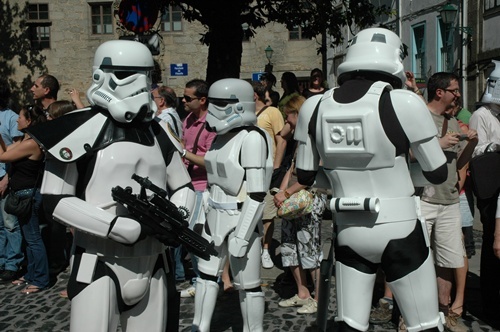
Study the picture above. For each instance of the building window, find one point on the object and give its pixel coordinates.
(418, 51)
(171, 19)
(38, 11)
(490, 4)
(39, 25)
(102, 19)
(296, 33)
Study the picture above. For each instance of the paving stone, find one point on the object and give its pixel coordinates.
(48, 312)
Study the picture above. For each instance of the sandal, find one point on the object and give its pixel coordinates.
(19, 281)
(31, 289)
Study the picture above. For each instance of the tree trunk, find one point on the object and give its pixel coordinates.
(225, 45)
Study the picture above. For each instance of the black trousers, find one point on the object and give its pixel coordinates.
(490, 264)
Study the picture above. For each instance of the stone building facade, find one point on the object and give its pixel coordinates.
(464, 46)
(73, 29)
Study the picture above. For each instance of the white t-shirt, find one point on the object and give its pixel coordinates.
(170, 116)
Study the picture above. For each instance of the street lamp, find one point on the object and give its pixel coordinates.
(448, 13)
(269, 54)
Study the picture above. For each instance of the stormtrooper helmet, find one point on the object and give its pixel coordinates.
(230, 105)
(492, 92)
(375, 53)
(121, 80)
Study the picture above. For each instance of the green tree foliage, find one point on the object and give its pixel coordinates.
(224, 19)
(16, 46)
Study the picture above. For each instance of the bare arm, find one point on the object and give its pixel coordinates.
(4, 183)
(27, 148)
(411, 84)
(280, 151)
(496, 243)
(286, 132)
(75, 97)
(281, 196)
(195, 159)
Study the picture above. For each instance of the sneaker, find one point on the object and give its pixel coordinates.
(382, 313)
(402, 325)
(310, 308)
(267, 262)
(294, 301)
(454, 323)
(188, 292)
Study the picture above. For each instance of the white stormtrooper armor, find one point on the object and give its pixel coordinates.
(492, 92)
(362, 132)
(239, 168)
(119, 274)
(120, 81)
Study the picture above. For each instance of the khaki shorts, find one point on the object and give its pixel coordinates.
(444, 225)
(270, 210)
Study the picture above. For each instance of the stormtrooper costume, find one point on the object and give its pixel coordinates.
(362, 133)
(119, 272)
(239, 169)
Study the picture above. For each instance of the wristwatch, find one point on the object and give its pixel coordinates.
(183, 154)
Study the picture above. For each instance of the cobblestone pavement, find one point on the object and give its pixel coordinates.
(47, 311)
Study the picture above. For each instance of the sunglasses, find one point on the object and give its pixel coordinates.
(189, 99)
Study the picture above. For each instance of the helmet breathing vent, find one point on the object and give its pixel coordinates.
(378, 38)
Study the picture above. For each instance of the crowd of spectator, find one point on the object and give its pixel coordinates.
(32, 258)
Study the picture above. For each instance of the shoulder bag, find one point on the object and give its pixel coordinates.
(20, 203)
(484, 170)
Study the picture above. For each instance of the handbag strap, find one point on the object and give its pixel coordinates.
(175, 124)
(261, 110)
(444, 129)
(36, 181)
(195, 148)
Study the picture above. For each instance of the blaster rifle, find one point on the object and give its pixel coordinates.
(167, 222)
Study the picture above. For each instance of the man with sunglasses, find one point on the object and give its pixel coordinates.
(196, 141)
(440, 202)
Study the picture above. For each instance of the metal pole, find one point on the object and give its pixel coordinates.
(463, 53)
